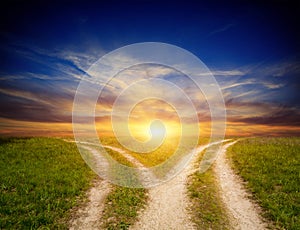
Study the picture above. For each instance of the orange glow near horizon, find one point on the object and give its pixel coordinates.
(145, 120)
(9, 127)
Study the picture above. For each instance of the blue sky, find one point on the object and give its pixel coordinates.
(252, 49)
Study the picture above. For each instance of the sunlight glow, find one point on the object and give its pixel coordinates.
(157, 129)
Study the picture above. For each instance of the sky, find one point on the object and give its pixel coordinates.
(48, 47)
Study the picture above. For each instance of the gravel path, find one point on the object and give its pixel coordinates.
(244, 214)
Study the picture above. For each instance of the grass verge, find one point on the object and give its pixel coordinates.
(122, 206)
(123, 203)
(41, 179)
(207, 208)
(271, 166)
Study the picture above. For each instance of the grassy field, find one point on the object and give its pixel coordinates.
(41, 179)
(271, 166)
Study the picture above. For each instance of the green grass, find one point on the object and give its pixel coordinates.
(271, 166)
(160, 154)
(207, 208)
(123, 203)
(41, 179)
(122, 207)
(153, 158)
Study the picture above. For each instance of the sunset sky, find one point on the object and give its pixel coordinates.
(251, 48)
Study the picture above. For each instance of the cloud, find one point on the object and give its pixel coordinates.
(271, 85)
(252, 93)
(56, 64)
(280, 69)
(221, 29)
(37, 101)
(233, 85)
(11, 127)
(246, 129)
(234, 72)
(24, 109)
(83, 60)
(260, 82)
(257, 83)
(287, 117)
(31, 76)
(257, 112)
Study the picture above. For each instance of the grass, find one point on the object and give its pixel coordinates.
(153, 158)
(207, 208)
(271, 167)
(159, 155)
(41, 179)
(122, 207)
(123, 203)
(164, 158)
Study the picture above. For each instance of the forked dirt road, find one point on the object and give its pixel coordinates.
(168, 203)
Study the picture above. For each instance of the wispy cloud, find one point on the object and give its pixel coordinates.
(271, 85)
(272, 115)
(234, 85)
(260, 81)
(83, 60)
(234, 72)
(12, 127)
(221, 29)
(223, 73)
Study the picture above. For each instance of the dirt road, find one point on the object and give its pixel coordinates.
(88, 216)
(244, 214)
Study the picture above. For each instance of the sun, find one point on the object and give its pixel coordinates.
(157, 129)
